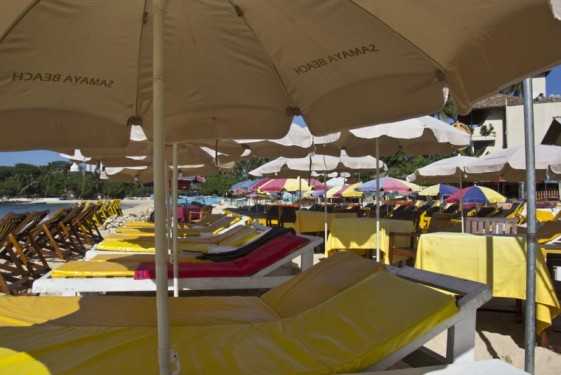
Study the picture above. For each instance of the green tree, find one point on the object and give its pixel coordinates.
(218, 184)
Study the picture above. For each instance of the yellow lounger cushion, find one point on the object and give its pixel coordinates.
(96, 269)
(349, 331)
(131, 311)
(236, 235)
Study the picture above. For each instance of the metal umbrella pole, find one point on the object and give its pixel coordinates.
(174, 208)
(164, 346)
(530, 322)
(377, 201)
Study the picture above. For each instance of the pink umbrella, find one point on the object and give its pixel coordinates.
(389, 184)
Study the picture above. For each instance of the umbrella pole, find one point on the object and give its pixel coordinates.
(174, 223)
(378, 201)
(461, 200)
(325, 210)
(530, 322)
(164, 347)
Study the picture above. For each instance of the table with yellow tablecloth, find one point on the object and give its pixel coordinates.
(499, 261)
(359, 235)
(314, 221)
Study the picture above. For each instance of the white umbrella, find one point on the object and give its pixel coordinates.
(416, 136)
(296, 143)
(510, 163)
(145, 174)
(554, 171)
(244, 69)
(444, 170)
(320, 163)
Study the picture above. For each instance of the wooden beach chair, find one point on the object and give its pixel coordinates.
(19, 243)
(14, 278)
(440, 222)
(49, 238)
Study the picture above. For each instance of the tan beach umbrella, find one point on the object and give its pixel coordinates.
(75, 74)
(354, 63)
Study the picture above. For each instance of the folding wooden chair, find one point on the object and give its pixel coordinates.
(14, 279)
(50, 239)
(19, 243)
(439, 222)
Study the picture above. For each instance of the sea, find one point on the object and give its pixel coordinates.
(20, 208)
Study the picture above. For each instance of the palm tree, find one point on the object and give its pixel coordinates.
(513, 90)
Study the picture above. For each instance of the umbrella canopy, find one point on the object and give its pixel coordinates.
(145, 174)
(319, 163)
(297, 143)
(351, 191)
(476, 194)
(296, 58)
(510, 163)
(230, 68)
(335, 192)
(444, 170)
(289, 184)
(389, 184)
(245, 187)
(438, 189)
(415, 136)
(554, 171)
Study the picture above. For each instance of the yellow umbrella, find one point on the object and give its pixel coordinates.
(351, 192)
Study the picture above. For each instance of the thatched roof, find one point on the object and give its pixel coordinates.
(502, 100)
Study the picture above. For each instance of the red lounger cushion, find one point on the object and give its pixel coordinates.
(258, 259)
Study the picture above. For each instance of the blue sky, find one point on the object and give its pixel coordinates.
(44, 157)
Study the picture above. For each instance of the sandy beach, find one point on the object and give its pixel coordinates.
(499, 334)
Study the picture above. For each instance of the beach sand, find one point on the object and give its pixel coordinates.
(499, 334)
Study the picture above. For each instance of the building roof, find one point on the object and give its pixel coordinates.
(502, 100)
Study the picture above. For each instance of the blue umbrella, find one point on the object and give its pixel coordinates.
(438, 189)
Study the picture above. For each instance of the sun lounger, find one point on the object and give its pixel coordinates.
(215, 226)
(232, 236)
(254, 270)
(346, 314)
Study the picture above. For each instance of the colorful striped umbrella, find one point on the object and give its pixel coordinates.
(476, 194)
(438, 189)
(389, 184)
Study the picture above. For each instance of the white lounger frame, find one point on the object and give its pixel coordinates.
(74, 286)
(460, 328)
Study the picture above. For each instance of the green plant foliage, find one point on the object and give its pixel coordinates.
(55, 180)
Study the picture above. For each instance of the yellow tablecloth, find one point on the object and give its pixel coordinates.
(314, 221)
(359, 235)
(499, 261)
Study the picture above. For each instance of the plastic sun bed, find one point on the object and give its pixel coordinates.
(137, 272)
(200, 243)
(345, 314)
